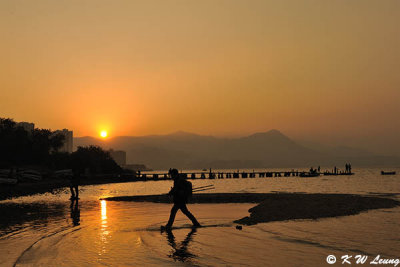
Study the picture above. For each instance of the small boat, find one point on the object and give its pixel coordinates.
(387, 173)
(26, 175)
(63, 173)
(8, 181)
(4, 172)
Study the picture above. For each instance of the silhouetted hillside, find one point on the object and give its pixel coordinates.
(191, 151)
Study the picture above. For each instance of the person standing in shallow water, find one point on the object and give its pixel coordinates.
(180, 193)
(75, 180)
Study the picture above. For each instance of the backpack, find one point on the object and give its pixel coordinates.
(188, 189)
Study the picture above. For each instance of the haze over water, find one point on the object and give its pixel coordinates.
(127, 233)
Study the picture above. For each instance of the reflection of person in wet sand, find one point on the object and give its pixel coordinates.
(181, 192)
(75, 212)
(180, 252)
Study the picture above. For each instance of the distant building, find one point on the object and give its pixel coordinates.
(68, 141)
(27, 126)
(119, 156)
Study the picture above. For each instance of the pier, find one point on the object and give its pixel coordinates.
(154, 176)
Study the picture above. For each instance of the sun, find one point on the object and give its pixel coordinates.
(103, 134)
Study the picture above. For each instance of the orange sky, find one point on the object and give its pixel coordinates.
(309, 68)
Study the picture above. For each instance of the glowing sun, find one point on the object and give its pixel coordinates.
(103, 134)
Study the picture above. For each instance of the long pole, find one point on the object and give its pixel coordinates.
(200, 187)
(204, 189)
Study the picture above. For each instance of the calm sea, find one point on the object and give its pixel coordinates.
(45, 230)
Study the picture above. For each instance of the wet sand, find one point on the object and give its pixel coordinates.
(283, 206)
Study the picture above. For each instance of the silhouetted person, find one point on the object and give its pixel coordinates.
(74, 184)
(181, 252)
(181, 192)
(349, 168)
(75, 212)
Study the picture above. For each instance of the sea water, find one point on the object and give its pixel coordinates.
(46, 230)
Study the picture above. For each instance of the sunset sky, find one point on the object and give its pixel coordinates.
(324, 70)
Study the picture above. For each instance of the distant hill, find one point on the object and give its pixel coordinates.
(261, 150)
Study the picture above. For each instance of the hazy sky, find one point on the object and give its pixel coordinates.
(328, 70)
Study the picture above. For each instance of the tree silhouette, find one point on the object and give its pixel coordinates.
(41, 146)
(95, 159)
(18, 146)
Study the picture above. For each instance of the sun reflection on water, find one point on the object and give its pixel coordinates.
(103, 211)
(103, 229)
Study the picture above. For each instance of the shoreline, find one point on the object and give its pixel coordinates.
(283, 206)
(48, 186)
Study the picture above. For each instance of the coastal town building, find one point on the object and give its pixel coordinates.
(68, 141)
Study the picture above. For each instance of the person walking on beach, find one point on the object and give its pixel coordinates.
(181, 192)
(74, 184)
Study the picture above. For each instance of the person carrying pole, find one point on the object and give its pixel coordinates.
(180, 192)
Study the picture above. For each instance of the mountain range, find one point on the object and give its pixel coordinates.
(260, 150)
